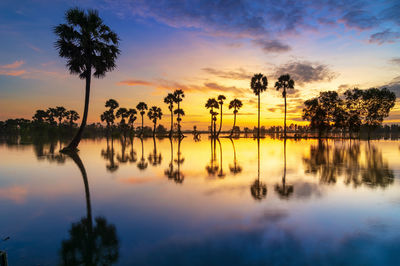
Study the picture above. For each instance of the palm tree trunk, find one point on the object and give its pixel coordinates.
(179, 120)
(142, 125)
(234, 122)
(284, 130)
(172, 123)
(154, 129)
(220, 123)
(258, 129)
(73, 146)
(211, 126)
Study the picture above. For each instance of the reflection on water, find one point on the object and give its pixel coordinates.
(321, 211)
(358, 164)
(88, 244)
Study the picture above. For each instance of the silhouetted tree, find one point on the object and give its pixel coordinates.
(141, 108)
(211, 104)
(178, 96)
(60, 112)
(170, 100)
(221, 99)
(87, 44)
(131, 113)
(72, 116)
(236, 104)
(258, 84)
(40, 116)
(51, 115)
(155, 158)
(154, 114)
(142, 164)
(285, 190)
(284, 83)
(221, 173)
(178, 175)
(122, 113)
(112, 104)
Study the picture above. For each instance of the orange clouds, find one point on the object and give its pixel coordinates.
(135, 82)
(10, 69)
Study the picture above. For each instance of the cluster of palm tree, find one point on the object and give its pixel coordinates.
(259, 84)
(217, 104)
(56, 116)
(127, 117)
(172, 99)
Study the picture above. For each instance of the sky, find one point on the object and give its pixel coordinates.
(206, 48)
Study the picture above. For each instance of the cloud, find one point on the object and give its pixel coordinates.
(239, 74)
(11, 69)
(14, 65)
(272, 46)
(395, 60)
(135, 82)
(360, 19)
(217, 87)
(393, 85)
(306, 72)
(386, 36)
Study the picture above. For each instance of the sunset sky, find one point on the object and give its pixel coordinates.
(206, 48)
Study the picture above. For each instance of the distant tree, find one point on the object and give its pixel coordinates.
(211, 104)
(40, 116)
(122, 113)
(131, 113)
(51, 115)
(259, 83)
(87, 44)
(112, 104)
(108, 117)
(154, 114)
(72, 116)
(178, 97)
(59, 113)
(284, 83)
(236, 104)
(221, 99)
(170, 100)
(142, 107)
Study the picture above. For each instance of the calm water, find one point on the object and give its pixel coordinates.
(195, 203)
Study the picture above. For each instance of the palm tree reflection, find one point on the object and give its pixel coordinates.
(142, 164)
(221, 173)
(178, 175)
(285, 190)
(155, 157)
(212, 167)
(89, 244)
(258, 189)
(357, 165)
(235, 168)
(109, 155)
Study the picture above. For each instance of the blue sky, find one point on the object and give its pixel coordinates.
(206, 48)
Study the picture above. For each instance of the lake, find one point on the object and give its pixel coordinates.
(221, 202)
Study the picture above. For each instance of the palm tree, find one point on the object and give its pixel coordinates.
(142, 107)
(236, 104)
(178, 95)
(221, 99)
(170, 99)
(40, 116)
(285, 83)
(154, 114)
(131, 118)
(72, 116)
(112, 104)
(211, 104)
(108, 117)
(60, 112)
(122, 113)
(51, 114)
(259, 83)
(89, 46)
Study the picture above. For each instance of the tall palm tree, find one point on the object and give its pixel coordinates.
(179, 95)
(72, 116)
(211, 104)
(108, 117)
(142, 107)
(89, 46)
(259, 83)
(122, 113)
(284, 83)
(131, 118)
(221, 99)
(236, 104)
(170, 100)
(154, 114)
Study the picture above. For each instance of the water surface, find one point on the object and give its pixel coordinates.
(156, 202)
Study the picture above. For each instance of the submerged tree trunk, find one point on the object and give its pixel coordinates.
(234, 122)
(284, 130)
(73, 146)
(142, 126)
